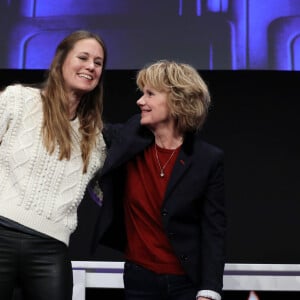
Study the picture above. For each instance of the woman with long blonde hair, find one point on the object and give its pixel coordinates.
(51, 145)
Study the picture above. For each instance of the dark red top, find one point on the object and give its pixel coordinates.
(148, 244)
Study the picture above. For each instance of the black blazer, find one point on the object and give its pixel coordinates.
(193, 211)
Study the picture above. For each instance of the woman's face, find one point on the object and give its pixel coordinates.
(82, 67)
(155, 111)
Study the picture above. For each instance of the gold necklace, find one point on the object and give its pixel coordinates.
(162, 168)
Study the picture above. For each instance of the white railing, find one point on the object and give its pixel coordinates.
(239, 277)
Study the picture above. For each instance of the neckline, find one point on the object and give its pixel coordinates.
(166, 150)
(73, 119)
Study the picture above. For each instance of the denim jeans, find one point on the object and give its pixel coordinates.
(39, 266)
(143, 284)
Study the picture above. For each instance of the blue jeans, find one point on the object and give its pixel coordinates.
(143, 284)
(39, 266)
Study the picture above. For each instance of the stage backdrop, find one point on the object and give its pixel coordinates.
(210, 34)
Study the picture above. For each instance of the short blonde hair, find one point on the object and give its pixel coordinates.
(189, 98)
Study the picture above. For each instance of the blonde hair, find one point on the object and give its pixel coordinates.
(189, 98)
(56, 124)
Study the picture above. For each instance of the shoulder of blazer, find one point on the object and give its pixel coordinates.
(125, 141)
(194, 145)
(114, 131)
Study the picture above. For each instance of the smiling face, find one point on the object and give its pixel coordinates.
(82, 67)
(155, 111)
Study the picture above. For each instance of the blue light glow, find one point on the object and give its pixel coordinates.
(251, 42)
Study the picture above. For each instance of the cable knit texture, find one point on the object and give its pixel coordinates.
(36, 189)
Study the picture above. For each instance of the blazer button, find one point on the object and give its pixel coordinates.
(164, 213)
(171, 235)
(183, 257)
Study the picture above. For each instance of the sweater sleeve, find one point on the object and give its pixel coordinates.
(5, 111)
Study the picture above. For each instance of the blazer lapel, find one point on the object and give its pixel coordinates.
(182, 164)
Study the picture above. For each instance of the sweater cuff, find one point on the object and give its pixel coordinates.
(209, 294)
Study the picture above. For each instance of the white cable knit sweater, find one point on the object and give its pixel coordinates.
(36, 189)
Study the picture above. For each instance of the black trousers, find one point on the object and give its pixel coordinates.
(143, 284)
(39, 266)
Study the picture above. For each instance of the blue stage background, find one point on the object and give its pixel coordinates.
(210, 34)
